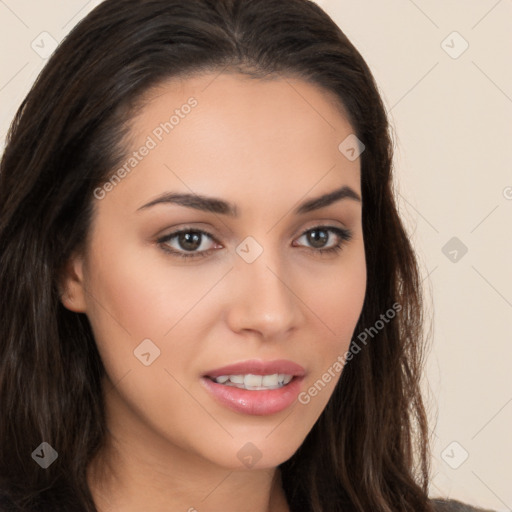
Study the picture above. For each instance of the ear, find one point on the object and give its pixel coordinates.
(72, 285)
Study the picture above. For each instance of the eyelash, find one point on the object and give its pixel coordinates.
(344, 234)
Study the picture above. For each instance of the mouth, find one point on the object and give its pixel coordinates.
(255, 387)
(256, 374)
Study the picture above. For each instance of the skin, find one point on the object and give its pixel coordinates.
(265, 146)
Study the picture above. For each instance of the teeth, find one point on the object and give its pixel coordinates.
(255, 382)
(270, 380)
(252, 381)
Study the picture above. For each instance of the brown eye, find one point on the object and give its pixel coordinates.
(189, 240)
(319, 236)
(186, 243)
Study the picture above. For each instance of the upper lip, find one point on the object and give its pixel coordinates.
(258, 367)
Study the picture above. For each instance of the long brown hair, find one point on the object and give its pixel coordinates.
(369, 448)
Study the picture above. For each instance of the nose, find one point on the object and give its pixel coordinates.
(264, 299)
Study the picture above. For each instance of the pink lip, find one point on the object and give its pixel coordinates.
(257, 367)
(258, 403)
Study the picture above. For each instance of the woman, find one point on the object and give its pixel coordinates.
(209, 300)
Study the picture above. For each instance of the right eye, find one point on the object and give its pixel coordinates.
(188, 241)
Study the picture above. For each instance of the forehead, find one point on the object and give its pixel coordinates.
(232, 94)
(235, 135)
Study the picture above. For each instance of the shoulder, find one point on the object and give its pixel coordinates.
(441, 505)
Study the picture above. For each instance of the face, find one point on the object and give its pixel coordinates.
(174, 291)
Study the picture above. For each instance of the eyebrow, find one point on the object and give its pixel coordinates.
(215, 205)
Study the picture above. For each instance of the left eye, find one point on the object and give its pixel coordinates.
(319, 235)
(191, 240)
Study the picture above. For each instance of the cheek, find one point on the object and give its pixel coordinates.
(137, 294)
(339, 300)
(339, 303)
(140, 292)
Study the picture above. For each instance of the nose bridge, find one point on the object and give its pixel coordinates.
(264, 300)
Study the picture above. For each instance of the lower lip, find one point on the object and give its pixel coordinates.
(254, 402)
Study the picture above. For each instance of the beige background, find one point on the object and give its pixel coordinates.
(451, 112)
